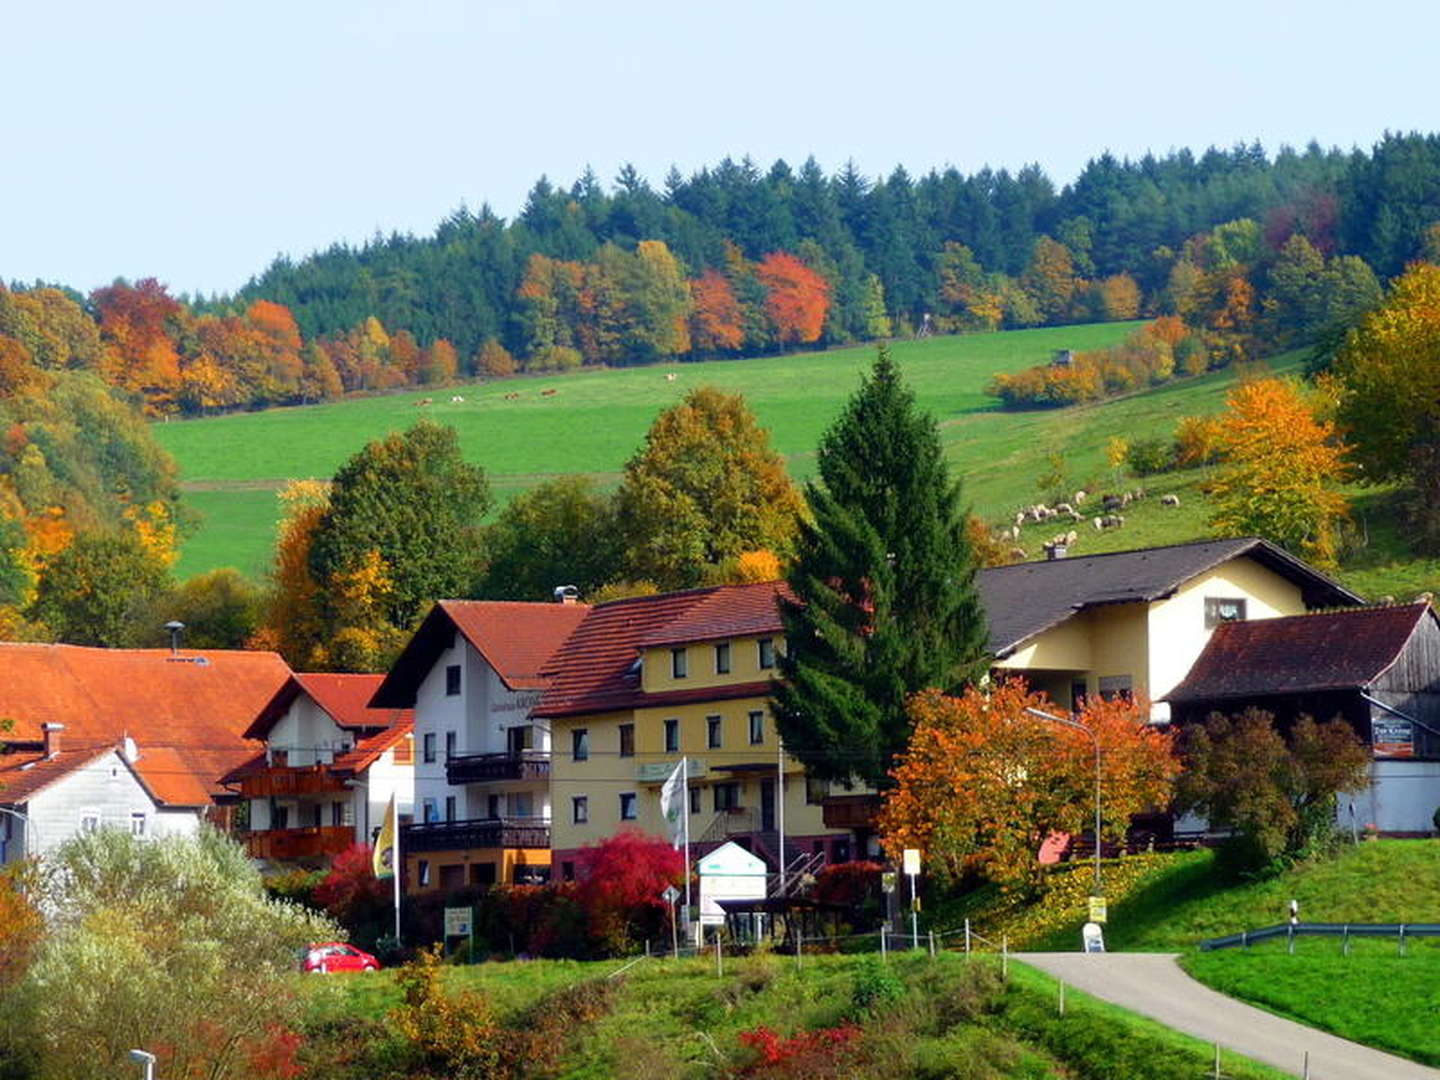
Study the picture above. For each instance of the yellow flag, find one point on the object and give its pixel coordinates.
(385, 844)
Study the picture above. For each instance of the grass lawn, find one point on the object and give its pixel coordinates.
(1374, 995)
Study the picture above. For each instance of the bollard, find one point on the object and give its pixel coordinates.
(1217, 1061)
(1290, 938)
(932, 944)
(1345, 944)
(884, 950)
(719, 962)
(967, 937)
(1062, 997)
(1402, 939)
(1306, 1074)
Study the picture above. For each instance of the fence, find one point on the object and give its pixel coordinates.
(1345, 931)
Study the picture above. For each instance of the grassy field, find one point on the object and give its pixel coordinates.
(920, 1017)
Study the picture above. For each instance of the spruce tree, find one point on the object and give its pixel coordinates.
(884, 584)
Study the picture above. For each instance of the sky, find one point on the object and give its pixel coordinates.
(196, 142)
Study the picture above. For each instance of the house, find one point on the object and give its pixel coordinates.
(646, 680)
(472, 673)
(1135, 621)
(1378, 668)
(98, 736)
(330, 766)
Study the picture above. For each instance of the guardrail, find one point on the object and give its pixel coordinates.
(1290, 931)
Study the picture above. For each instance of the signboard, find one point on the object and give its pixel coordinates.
(657, 772)
(728, 873)
(1392, 737)
(1097, 909)
(911, 861)
(887, 881)
(670, 895)
(1093, 937)
(459, 921)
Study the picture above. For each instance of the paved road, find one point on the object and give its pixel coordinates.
(1153, 984)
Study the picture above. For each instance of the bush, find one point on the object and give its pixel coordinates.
(554, 358)
(1149, 456)
(875, 986)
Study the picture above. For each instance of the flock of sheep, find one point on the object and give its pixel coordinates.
(1111, 518)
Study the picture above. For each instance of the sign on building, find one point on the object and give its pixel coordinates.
(729, 873)
(1392, 737)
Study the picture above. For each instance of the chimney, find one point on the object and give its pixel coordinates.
(567, 594)
(52, 738)
(175, 629)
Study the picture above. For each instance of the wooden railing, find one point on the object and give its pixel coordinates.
(476, 833)
(282, 780)
(487, 768)
(299, 843)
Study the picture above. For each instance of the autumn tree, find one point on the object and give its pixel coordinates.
(403, 521)
(1051, 279)
(293, 623)
(562, 532)
(984, 782)
(716, 321)
(1389, 370)
(1277, 790)
(495, 360)
(796, 298)
(884, 579)
(705, 487)
(140, 354)
(439, 364)
(221, 609)
(1281, 469)
(621, 880)
(99, 590)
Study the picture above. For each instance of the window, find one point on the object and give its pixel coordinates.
(482, 873)
(1220, 610)
(580, 744)
(627, 806)
(519, 739)
(694, 800)
(449, 807)
(722, 658)
(452, 877)
(89, 821)
(520, 804)
(428, 747)
(1113, 687)
(423, 868)
(816, 790)
(137, 824)
(317, 815)
(567, 871)
(766, 647)
(679, 663)
(492, 806)
(405, 751)
(713, 725)
(429, 811)
(727, 797)
(452, 680)
(627, 740)
(337, 814)
(672, 736)
(579, 809)
(530, 875)
(1077, 694)
(757, 728)
(451, 745)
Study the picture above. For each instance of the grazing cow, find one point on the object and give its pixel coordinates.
(512, 396)
(422, 403)
(548, 393)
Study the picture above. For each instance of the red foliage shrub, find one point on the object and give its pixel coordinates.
(351, 892)
(620, 882)
(806, 1053)
(848, 883)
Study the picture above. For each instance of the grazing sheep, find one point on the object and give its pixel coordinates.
(1125, 499)
(1019, 518)
(1170, 500)
(1111, 503)
(1099, 524)
(1080, 497)
(457, 399)
(1064, 508)
(670, 376)
(1017, 553)
(1072, 537)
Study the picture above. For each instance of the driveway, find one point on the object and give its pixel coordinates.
(1154, 985)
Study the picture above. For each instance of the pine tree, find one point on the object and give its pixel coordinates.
(884, 584)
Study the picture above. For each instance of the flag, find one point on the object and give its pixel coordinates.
(385, 844)
(672, 805)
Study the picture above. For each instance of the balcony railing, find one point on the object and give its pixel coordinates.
(487, 768)
(299, 843)
(476, 833)
(281, 780)
(850, 811)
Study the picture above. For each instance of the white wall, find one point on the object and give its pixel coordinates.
(308, 733)
(382, 779)
(1402, 797)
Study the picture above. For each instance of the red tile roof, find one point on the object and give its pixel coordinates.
(24, 775)
(170, 779)
(345, 699)
(1330, 650)
(516, 638)
(196, 704)
(595, 670)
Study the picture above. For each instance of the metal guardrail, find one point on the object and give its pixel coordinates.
(1316, 929)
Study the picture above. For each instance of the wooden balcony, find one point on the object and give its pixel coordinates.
(850, 811)
(284, 780)
(488, 768)
(476, 833)
(299, 843)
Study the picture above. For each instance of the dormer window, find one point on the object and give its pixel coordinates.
(1222, 610)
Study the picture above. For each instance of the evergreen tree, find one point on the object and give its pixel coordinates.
(884, 583)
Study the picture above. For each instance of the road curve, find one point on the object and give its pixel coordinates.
(1154, 985)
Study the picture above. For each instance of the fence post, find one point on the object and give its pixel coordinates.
(884, 947)
(1290, 938)
(719, 962)
(1217, 1061)
(1402, 939)
(932, 944)
(1005, 956)
(1306, 1074)
(1062, 997)
(1345, 944)
(967, 937)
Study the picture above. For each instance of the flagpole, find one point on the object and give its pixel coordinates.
(399, 866)
(780, 810)
(685, 821)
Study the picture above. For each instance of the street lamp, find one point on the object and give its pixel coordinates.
(146, 1061)
(1067, 722)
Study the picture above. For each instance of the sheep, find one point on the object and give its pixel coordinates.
(1110, 503)
(1018, 554)
(1072, 537)
(1170, 500)
(1099, 524)
(457, 399)
(1064, 508)
(422, 403)
(1019, 519)
(1125, 499)
(670, 376)
(512, 396)
(1080, 497)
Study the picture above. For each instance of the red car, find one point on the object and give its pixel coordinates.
(337, 956)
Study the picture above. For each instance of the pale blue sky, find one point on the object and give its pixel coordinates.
(195, 141)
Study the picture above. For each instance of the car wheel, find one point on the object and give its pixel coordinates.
(369, 967)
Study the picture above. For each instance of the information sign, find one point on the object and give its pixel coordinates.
(458, 921)
(1097, 909)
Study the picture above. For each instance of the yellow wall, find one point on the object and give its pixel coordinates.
(744, 665)
(505, 860)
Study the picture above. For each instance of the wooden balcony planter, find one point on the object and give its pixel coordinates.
(476, 833)
(850, 811)
(488, 768)
(299, 843)
(280, 781)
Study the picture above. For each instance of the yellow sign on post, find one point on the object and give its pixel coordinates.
(1097, 909)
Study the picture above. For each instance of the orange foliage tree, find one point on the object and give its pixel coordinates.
(717, 323)
(135, 326)
(1281, 470)
(983, 782)
(796, 298)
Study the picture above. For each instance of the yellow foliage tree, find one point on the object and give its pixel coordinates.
(293, 624)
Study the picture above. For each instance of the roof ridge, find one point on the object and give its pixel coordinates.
(1030, 563)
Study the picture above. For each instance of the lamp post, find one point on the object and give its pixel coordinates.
(1067, 722)
(146, 1061)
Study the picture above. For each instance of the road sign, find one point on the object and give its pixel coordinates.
(1097, 909)
(911, 861)
(458, 921)
(670, 895)
(887, 881)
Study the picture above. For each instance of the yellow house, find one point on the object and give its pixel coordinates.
(646, 681)
(1135, 621)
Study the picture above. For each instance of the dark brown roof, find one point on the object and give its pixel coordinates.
(1028, 598)
(1330, 650)
(345, 699)
(517, 639)
(595, 670)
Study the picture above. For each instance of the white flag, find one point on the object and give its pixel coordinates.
(672, 805)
